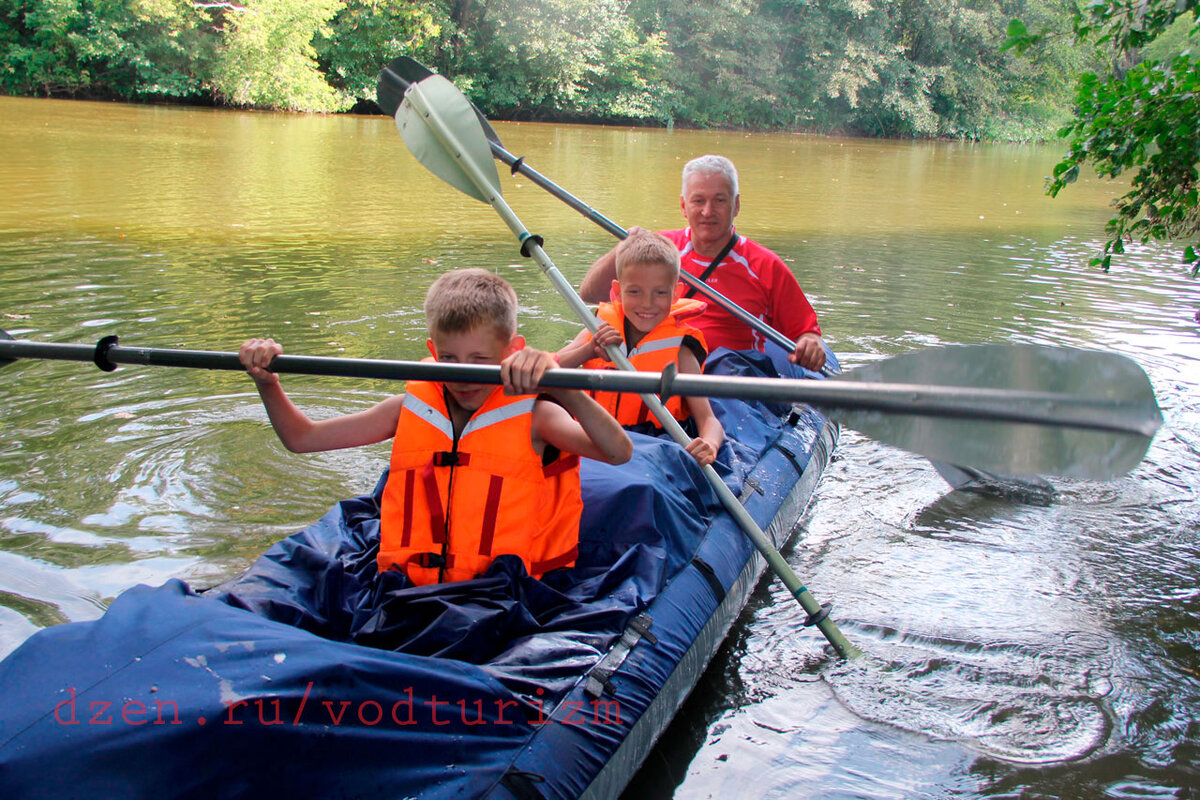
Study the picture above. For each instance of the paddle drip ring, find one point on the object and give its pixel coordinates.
(516, 165)
(814, 619)
(100, 357)
(667, 380)
(531, 237)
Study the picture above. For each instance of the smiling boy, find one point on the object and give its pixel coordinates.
(651, 326)
(476, 470)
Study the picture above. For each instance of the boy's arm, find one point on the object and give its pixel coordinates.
(592, 433)
(705, 446)
(577, 351)
(587, 346)
(581, 426)
(295, 429)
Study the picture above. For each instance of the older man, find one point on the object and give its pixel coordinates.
(742, 270)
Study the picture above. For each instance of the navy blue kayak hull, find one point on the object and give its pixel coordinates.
(315, 675)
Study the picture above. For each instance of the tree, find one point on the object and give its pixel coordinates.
(1144, 114)
(268, 60)
(543, 59)
(366, 34)
(125, 48)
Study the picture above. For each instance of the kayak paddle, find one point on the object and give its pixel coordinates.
(918, 401)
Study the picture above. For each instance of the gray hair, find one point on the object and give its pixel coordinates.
(710, 165)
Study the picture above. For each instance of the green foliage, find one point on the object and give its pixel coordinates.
(366, 34)
(724, 62)
(1143, 115)
(536, 59)
(267, 58)
(129, 48)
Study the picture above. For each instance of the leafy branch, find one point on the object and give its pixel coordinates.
(1145, 115)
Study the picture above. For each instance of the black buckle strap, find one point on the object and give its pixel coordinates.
(710, 576)
(790, 457)
(599, 680)
(451, 458)
(428, 560)
(712, 265)
(522, 784)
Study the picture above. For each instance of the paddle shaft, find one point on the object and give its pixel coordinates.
(530, 245)
(1044, 408)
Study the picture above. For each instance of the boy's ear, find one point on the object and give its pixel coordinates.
(680, 288)
(516, 343)
(614, 292)
(432, 349)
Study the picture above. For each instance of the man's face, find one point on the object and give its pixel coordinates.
(710, 205)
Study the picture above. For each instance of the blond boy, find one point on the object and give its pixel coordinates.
(649, 322)
(476, 470)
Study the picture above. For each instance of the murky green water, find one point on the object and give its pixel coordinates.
(1014, 650)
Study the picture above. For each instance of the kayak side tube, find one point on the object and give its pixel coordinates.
(596, 738)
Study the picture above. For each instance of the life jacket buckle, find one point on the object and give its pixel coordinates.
(428, 560)
(450, 458)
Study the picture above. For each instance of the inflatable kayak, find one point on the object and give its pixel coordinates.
(314, 675)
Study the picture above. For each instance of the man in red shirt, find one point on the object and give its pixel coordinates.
(746, 272)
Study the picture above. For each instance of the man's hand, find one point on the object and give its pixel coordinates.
(809, 352)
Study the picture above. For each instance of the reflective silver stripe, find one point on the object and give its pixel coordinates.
(500, 415)
(657, 344)
(427, 413)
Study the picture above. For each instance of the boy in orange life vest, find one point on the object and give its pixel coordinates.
(650, 322)
(476, 470)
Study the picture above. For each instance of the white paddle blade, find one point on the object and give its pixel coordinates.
(1012, 448)
(442, 132)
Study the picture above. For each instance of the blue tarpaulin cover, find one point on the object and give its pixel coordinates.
(314, 675)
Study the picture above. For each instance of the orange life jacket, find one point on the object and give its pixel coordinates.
(450, 505)
(658, 348)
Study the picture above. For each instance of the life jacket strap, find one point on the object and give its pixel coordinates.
(542, 567)
(433, 498)
(560, 465)
(491, 509)
(429, 560)
(410, 485)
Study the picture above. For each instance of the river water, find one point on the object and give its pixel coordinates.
(1014, 648)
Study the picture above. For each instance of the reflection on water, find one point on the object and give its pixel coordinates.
(1015, 648)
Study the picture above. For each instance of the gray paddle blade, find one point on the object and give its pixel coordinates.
(1114, 383)
(394, 79)
(1029, 489)
(441, 130)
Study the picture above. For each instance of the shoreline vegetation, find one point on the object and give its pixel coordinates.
(916, 69)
